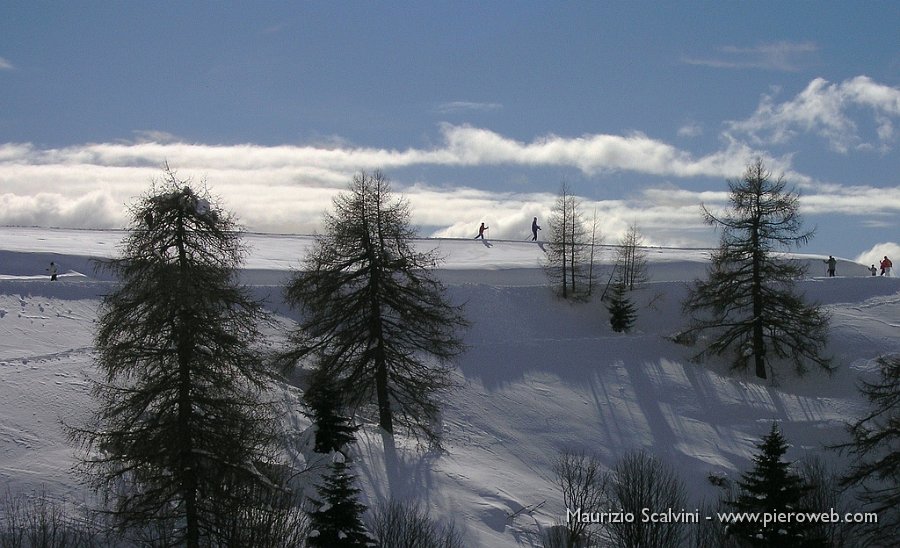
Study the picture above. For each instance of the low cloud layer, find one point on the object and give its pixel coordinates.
(286, 188)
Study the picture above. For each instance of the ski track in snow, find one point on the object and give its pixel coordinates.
(540, 375)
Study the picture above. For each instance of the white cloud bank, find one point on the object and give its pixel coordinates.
(286, 188)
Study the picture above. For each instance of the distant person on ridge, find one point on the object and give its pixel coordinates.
(481, 230)
(534, 229)
(832, 263)
(53, 271)
(886, 265)
(873, 270)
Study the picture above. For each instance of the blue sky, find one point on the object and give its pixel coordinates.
(477, 111)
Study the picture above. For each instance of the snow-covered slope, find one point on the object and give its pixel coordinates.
(540, 375)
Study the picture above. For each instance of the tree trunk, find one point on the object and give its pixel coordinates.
(759, 345)
(572, 249)
(385, 417)
(188, 475)
(376, 262)
(565, 280)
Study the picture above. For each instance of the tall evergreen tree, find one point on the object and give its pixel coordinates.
(181, 439)
(337, 521)
(875, 447)
(748, 300)
(374, 316)
(771, 487)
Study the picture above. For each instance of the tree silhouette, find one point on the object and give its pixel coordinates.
(374, 317)
(748, 300)
(566, 246)
(771, 487)
(875, 448)
(337, 521)
(622, 312)
(181, 439)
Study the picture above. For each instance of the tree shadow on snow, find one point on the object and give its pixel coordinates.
(395, 472)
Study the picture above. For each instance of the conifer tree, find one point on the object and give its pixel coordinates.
(748, 301)
(182, 441)
(875, 448)
(338, 521)
(622, 312)
(374, 316)
(772, 487)
(333, 429)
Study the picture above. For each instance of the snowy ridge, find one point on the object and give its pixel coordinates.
(540, 375)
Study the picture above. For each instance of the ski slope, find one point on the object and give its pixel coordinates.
(540, 375)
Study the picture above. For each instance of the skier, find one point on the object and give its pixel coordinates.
(534, 229)
(53, 271)
(831, 262)
(873, 270)
(481, 230)
(886, 265)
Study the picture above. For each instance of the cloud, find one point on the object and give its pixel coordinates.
(591, 154)
(866, 201)
(825, 109)
(95, 209)
(287, 188)
(878, 252)
(5, 65)
(691, 129)
(509, 215)
(274, 29)
(462, 106)
(778, 56)
(464, 146)
(155, 136)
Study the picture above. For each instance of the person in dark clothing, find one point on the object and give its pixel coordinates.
(832, 263)
(53, 271)
(873, 270)
(481, 230)
(534, 229)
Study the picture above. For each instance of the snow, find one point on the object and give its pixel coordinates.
(540, 375)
